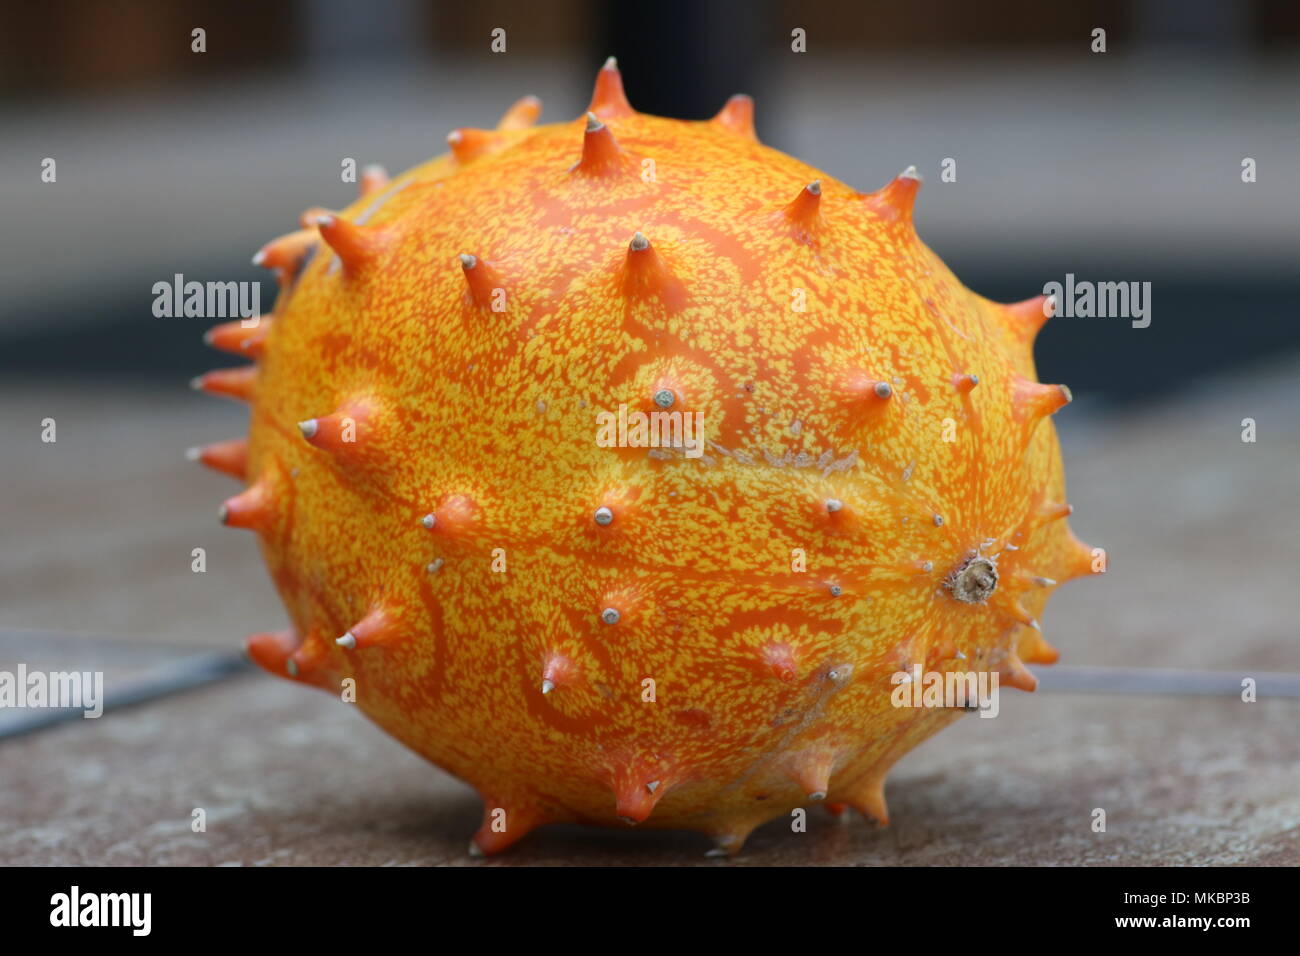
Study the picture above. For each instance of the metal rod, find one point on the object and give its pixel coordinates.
(163, 681)
(1145, 680)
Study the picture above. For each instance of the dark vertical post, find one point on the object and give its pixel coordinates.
(683, 58)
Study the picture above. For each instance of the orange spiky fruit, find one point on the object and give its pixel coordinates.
(458, 495)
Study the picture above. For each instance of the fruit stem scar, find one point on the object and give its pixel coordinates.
(973, 580)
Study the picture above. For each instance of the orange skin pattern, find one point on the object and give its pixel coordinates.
(771, 685)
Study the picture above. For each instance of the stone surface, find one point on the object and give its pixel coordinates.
(287, 776)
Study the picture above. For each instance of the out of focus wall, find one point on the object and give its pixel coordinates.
(62, 46)
(1117, 166)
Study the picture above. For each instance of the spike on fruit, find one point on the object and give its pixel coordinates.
(1082, 559)
(1013, 673)
(468, 144)
(596, 624)
(637, 788)
(646, 275)
(250, 509)
(608, 101)
(238, 383)
(376, 629)
(505, 822)
(737, 116)
(780, 660)
(308, 220)
(804, 213)
(1055, 510)
(869, 800)
(486, 288)
(348, 433)
(1036, 650)
(238, 338)
(523, 113)
(228, 457)
(286, 252)
(356, 246)
(1035, 401)
(1016, 611)
(456, 516)
(601, 155)
(374, 180)
(898, 197)
(863, 396)
(811, 772)
(309, 663)
(1028, 317)
(557, 671)
(272, 650)
(729, 841)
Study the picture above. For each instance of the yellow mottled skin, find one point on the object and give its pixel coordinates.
(768, 588)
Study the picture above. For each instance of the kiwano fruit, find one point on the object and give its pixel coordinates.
(595, 615)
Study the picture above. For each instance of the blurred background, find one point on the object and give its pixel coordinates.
(1116, 166)
(1123, 165)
